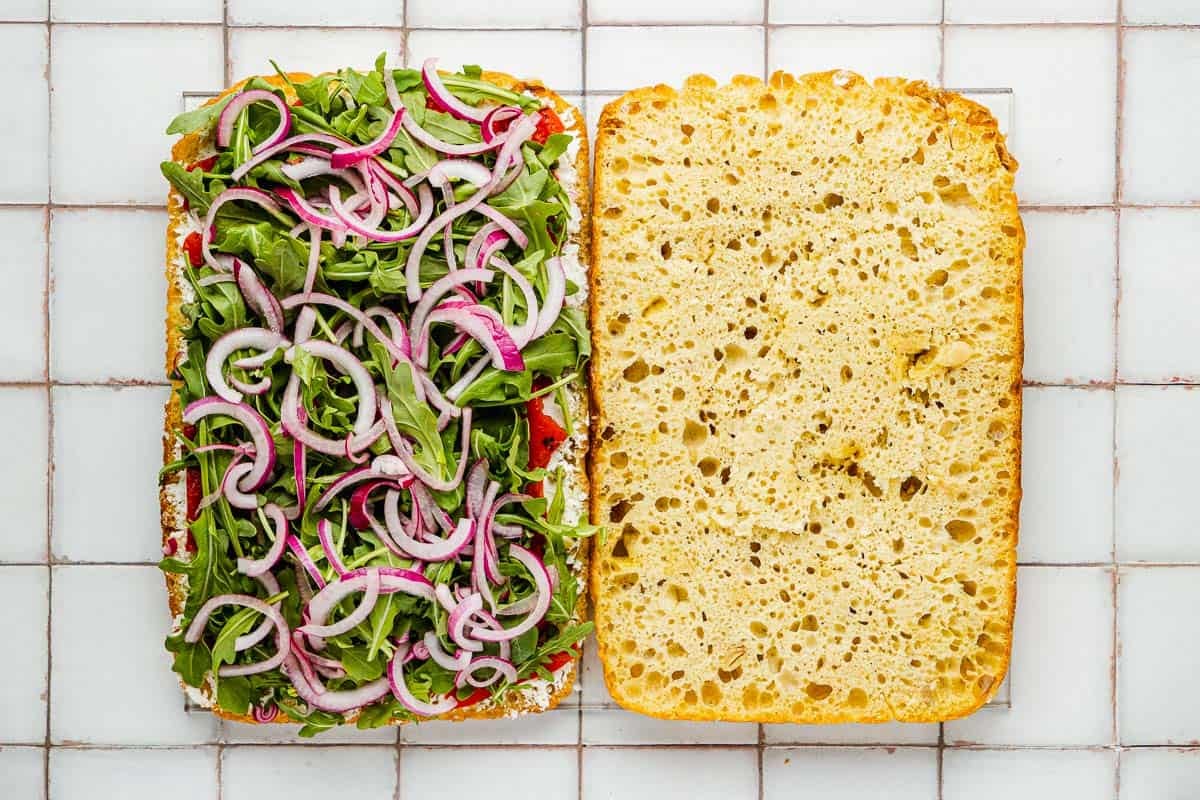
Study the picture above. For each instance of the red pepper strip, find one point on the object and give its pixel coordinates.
(548, 125)
(194, 249)
(204, 164)
(477, 696)
(553, 664)
(545, 435)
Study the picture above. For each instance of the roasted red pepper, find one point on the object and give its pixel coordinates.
(192, 246)
(547, 126)
(557, 660)
(192, 477)
(545, 435)
(204, 164)
(477, 696)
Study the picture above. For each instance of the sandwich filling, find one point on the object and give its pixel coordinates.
(384, 334)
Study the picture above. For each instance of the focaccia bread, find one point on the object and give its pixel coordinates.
(567, 462)
(806, 380)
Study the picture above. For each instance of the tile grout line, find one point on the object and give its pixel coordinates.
(1116, 574)
(759, 751)
(942, 48)
(766, 19)
(48, 286)
(941, 760)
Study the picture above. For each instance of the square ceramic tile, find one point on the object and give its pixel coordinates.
(1156, 674)
(103, 154)
(107, 453)
(135, 11)
(106, 307)
(826, 12)
(604, 722)
(1004, 11)
(23, 148)
(1158, 433)
(1160, 12)
(1067, 475)
(553, 57)
(286, 733)
(25, 11)
(133, 774)
(479, 772)
(909, 52)
(670, 774)
(1061, 664)
(1064, 131)
(857, 774)
(674, 12)
(24, 773)
(310, 50)
(886, 733)
(23, 592)
(308, 773)
(384, 13)
(628, 57)
(1160, 774)
(1069, 255)
(512, 14)
(23, 430)
(1158, 165)
(557, 726)
(95, 662)
(1028, 774)
(22, 304)
(1159, 273)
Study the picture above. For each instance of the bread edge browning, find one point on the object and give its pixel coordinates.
(173, 518)
(978, 120)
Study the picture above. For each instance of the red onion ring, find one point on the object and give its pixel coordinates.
(304, 210)
(325, 537)
(440, 145)
(234, 108)
(523, 334)
(264, 565)
(248, 640)
(306, 561)
(556, 291)
(349, 156)
(458, 621)
(225, 346)
(316, 626)
(455, 663)
(483, 325)
(279, 147)
(348, 222)
(260, 434)
(395, 681)
(337, 702)
(444, 98)
(439, 289)
(501, 668)
(487, 128)
(282, 638)
(443, 550)
(541, 580)
(244, 193)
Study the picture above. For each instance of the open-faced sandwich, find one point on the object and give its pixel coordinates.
(373, 501)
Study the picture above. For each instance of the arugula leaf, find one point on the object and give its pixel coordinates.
(556, 144)
(365, 88)
(198, 119)
(524, 646)
(412, 416)
(286, 264)
(188, 184)
(549, 355)
(317, 93)
(252, 240)
(359, 667)
(240, 623)
(523, 191)
(192, 661)
(234, 693)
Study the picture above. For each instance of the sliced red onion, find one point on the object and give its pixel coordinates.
(258, 387)
(399, 333)
(440, 145)
(412, 266)
(444, 98)
(442, 550)
(501, 668)
(265, 714)
(437, 290)
(438, 401)
(556, 291)
(306, 561)
(396, 579)
(479, 576)
(215, 278)
(523, 334)
(349, 156)
(308, 167)
(246, 641)
(332, 555)
(238, 499)
(389, 88)
(541, 580)
(230, 113)
(484, 326)
(458, 621)
(287, 144)
(463, 169)
(457, 662)
(508, 531)
(316, 626)
(346, 219)
(493, 623)
(445, 598)
(303, 209)
(395, 680)
(260, 434)
(507, 225)
(338, 702)
(282, 637)
(499, 114)
(359, 518)
(349, 365)
(396, 350)
(424, 505)
(226, 345)
(489, 556)
(350, 478)
(390, 181)
(257, 567)
(243, 193)
(488, 233)
(510, 152)
(510, 177)
(317, 660)
(468, 377)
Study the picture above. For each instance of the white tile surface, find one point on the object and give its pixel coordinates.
(886, 733)
(133, 774)
(287, 733)
(23, 593)
(1061, 668)
(106, 309)
(624, 58)
(1066, 475)
(96, 661)
(1156, 673)
(23, 149)
(135, 11)
(1159, 273)
(910, 52)
(1158, 433)
(1007, 11)
(25, 11)
(106, 154)
(1065, 128)
(1157, 164)
(1160, 774)
(480, 772)
(606, 12)
(550, 56)
(385, 13)
(1071, 255)
(22, 303)
(825, 12)
(309, 50)
(107, 453)
(512, 14)
(23, 769)
(604, 722)
(858, 774)
(308, 773)
(674, 774)
(23, 473)
(558, 726)
(1160, 12)
(1029, 774)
